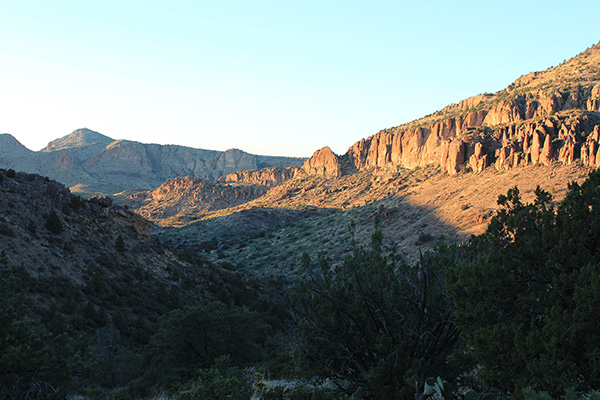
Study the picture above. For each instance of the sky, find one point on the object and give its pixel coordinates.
(268, 77)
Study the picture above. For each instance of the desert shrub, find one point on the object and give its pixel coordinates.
(120, 244)
(53, 223)
(299, 392)
(527, 295)
(423, 238)
(221, 381)
(77, 202)
(373, 321)
(6, 230)
(32, 227)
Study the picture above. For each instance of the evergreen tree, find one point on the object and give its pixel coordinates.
(527, 297)
(374, 321)
(53, 223)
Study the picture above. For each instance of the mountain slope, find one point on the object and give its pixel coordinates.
(544, 129)
(85, 292)
(178, 198)
(489, 128)
(90, 162)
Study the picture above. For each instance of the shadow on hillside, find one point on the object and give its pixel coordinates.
(271, 240)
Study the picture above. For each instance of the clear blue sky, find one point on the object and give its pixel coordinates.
(268, 77)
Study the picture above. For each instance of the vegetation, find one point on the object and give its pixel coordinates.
(53, 223)
(372, 322)
(526, 292)
(512, 312)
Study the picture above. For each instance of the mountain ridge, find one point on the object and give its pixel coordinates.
(539, 128)
(491, 128)
(92, 163)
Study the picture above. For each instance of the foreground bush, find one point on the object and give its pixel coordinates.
(373, 321)
(221, 381)
(528, 294)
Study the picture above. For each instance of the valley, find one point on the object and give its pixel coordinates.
(452, 255)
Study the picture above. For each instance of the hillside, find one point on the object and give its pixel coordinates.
(440, 175)
(84, 288)
(91, 163)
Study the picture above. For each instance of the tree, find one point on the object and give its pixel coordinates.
(374, 321)
(193, 337)
(53, 223)
(120, 244)
(33, 363)
(528, 294)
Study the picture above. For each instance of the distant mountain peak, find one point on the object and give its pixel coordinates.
(10, 145)
(77, 138)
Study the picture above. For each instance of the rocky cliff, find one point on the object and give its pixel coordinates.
(180, 200)
(542, 117)
(91, 163)
(271, 176)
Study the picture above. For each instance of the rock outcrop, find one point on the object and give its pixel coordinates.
(190, 196)
(478, 161)
(271, 176)
(324, 163)
(453, 156)
(516, 126)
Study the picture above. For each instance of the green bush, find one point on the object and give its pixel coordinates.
(11, 173)
(373, 321)
(423, 238)
(219, 382)
(6, 230)
(528, 292)
(299, 392)
(53, 223)
(196, 336)
(120, 244)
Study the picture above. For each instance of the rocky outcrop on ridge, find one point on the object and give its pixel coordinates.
(271, 176)
(323, 163)
(542, 117)
(187, 198)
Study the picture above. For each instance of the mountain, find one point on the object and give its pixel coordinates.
(542, 117)
(90, 162)
(14, 153)
(438, 176)
(78, 138)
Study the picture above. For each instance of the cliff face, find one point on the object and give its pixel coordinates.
(542, 117)
(95, 163)
(452, 141)
(324, 163)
